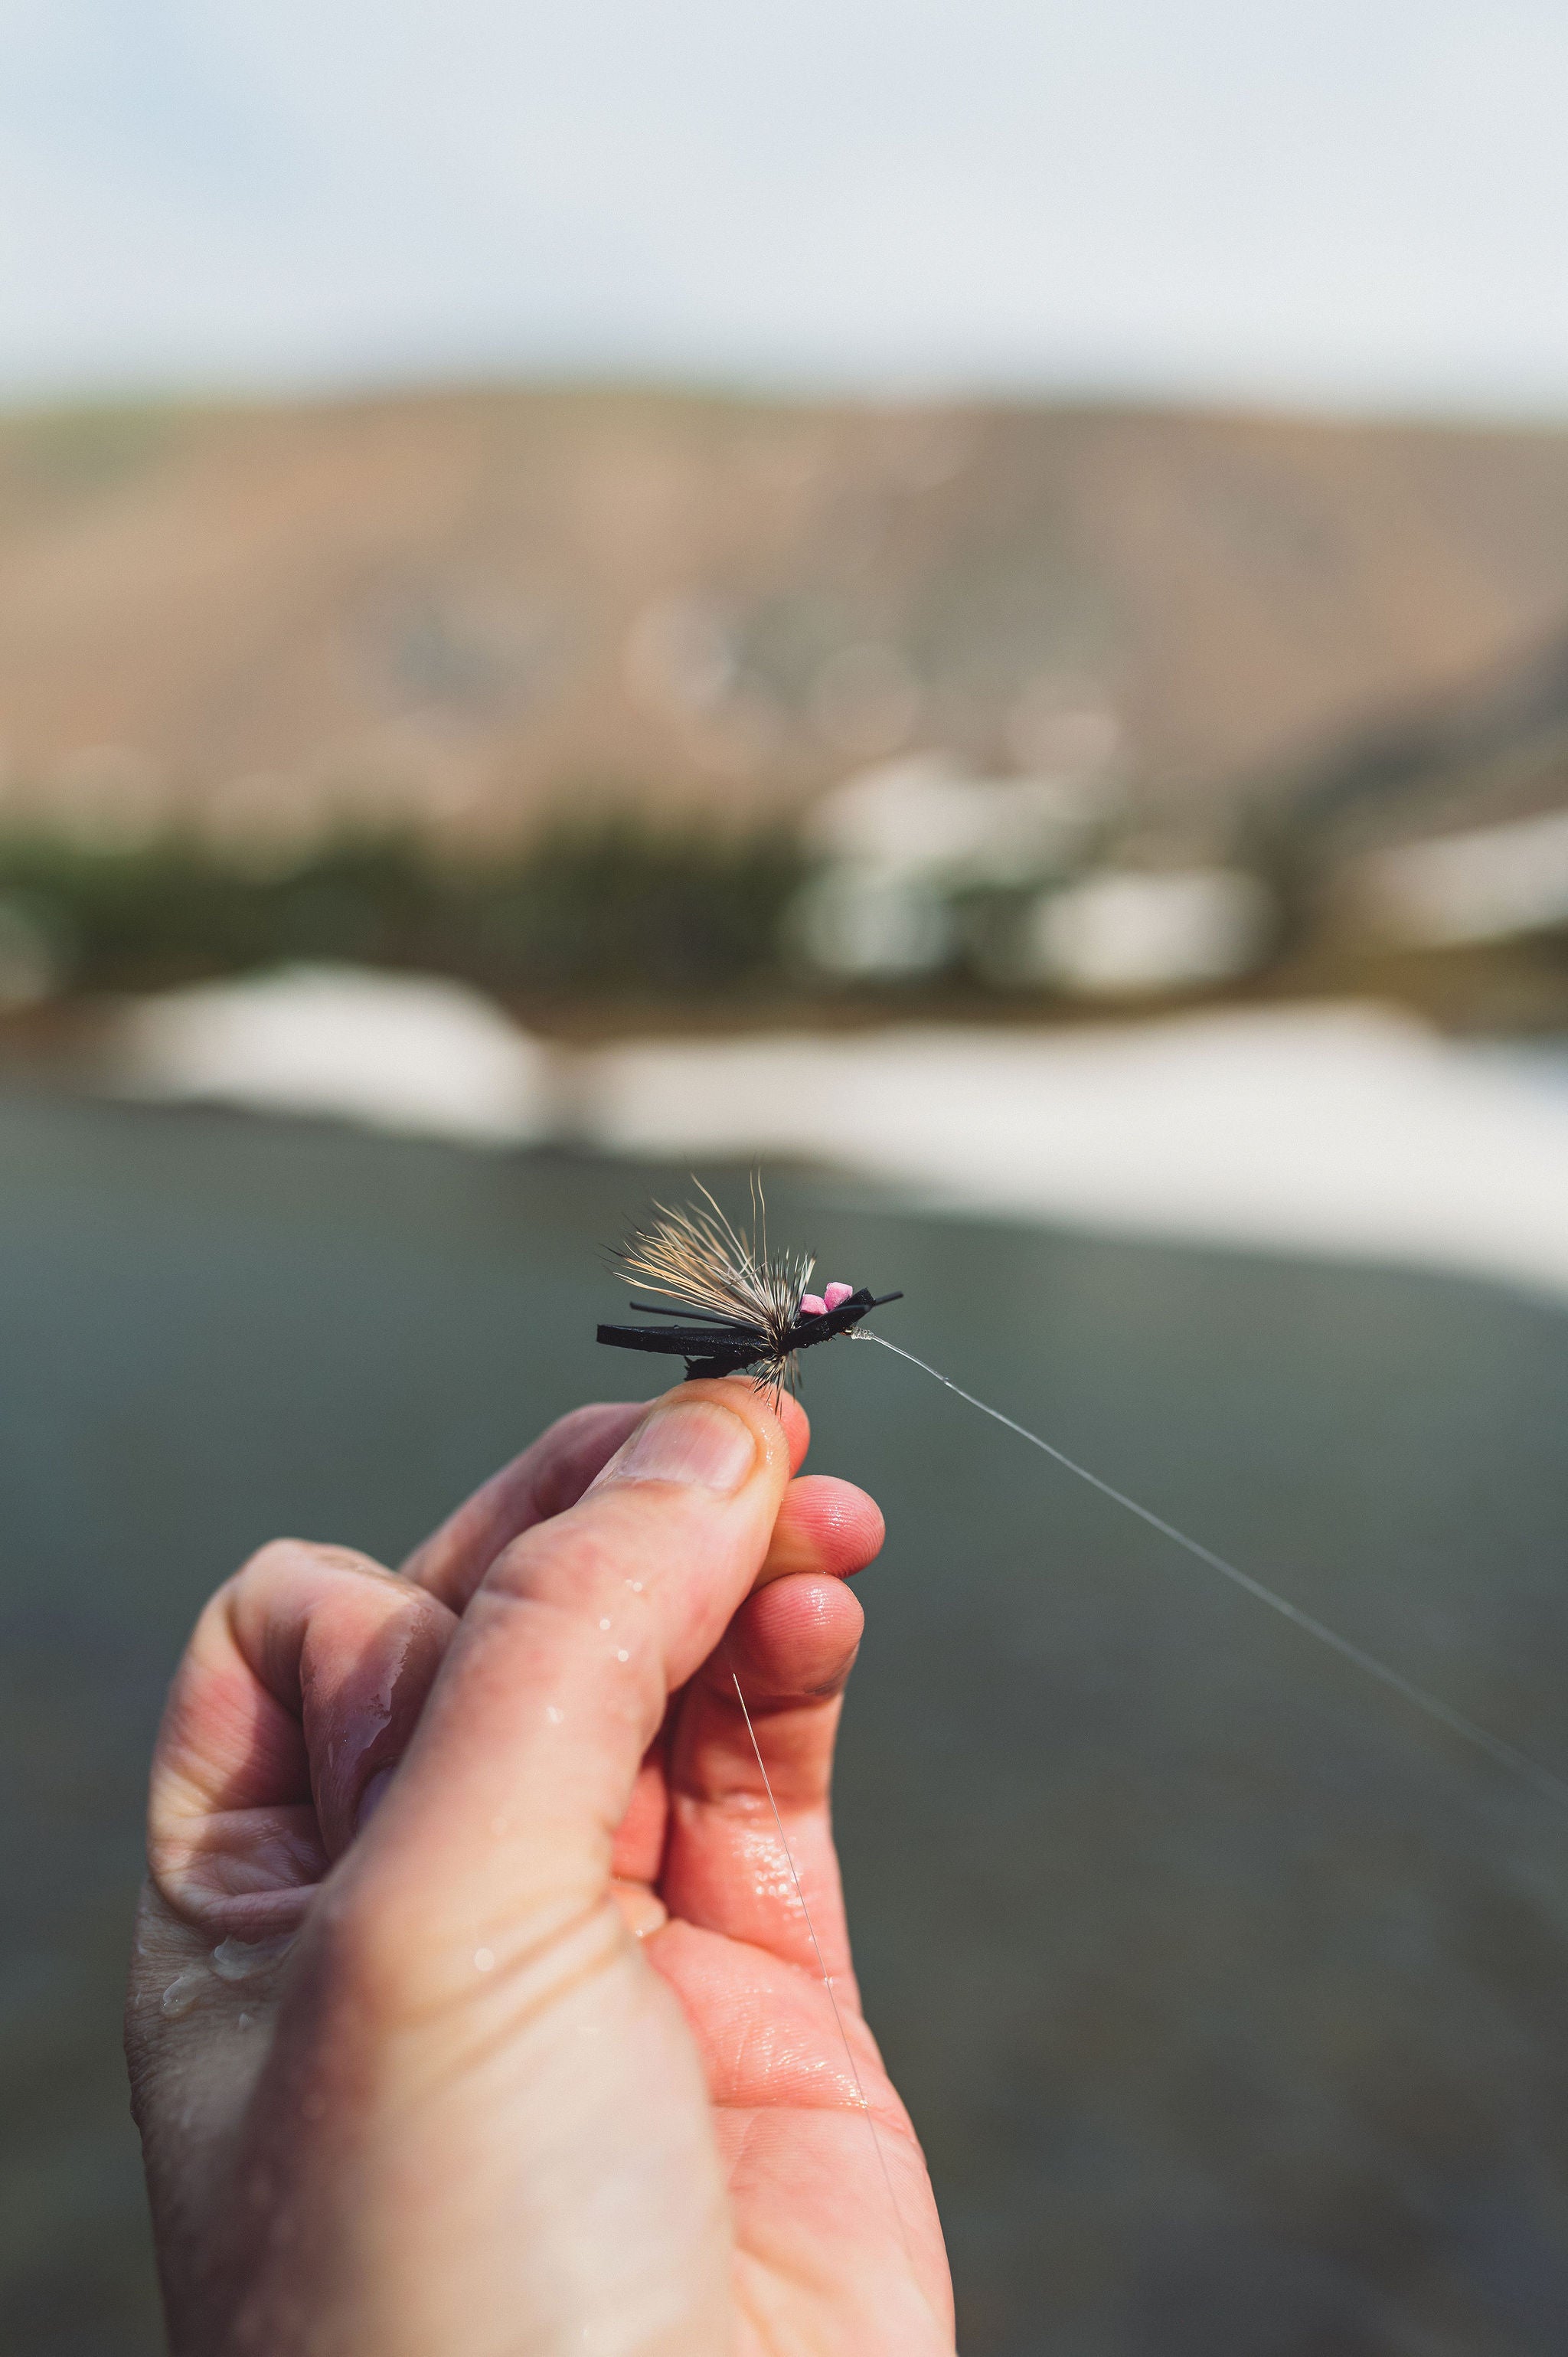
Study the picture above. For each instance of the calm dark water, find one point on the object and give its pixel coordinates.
(1231, 2000)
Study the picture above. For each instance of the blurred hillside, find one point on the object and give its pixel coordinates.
(463, 607)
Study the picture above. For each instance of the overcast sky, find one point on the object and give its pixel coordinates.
(1357, 201)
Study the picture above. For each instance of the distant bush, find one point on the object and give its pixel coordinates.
(616, 906)
(628, 908)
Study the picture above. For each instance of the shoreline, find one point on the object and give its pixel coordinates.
(1341, 1129)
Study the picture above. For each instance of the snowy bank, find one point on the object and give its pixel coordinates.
(413, 1054)
(1346, 1130)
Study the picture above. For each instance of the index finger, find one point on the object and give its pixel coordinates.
(545, 1480)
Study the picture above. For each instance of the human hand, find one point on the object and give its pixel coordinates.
(524, 2046)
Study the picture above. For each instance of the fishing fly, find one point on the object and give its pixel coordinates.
(742, 1312)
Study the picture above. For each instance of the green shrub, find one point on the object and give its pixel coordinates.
(614, 906)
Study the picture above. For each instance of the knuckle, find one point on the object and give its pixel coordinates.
(284, 1558)
(272, 1561)
(566, 1429)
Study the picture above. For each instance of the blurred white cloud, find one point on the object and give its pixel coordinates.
(1361, 201)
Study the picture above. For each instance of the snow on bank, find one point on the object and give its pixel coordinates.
(415, 1054)
(1346, 1130)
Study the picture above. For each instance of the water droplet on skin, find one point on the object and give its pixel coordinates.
(484, 1960)
(553, 1715)
(247, 2021)
(635, 1585)
(236, 1960)
(604, 1624)
(183, 1991)
(621, 1653)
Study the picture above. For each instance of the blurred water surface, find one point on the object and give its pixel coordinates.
(1230, 1997)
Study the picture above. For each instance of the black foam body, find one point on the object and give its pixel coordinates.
(728, 1349)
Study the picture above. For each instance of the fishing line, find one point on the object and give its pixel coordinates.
(1504, 1755)
(822, 1968)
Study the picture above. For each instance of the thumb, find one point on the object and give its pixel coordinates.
(499, 1825)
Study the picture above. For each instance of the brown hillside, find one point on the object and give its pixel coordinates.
(476, 604)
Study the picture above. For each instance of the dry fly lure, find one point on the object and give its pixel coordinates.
(743, 1311)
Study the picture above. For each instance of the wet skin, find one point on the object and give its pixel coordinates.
(472, 2005)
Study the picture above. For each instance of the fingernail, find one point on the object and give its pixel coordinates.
(702, 1445)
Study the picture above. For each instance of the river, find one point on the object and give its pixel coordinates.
(1230, 1997)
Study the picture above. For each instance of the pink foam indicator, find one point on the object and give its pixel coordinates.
(836, 1294)
(812, 1306)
